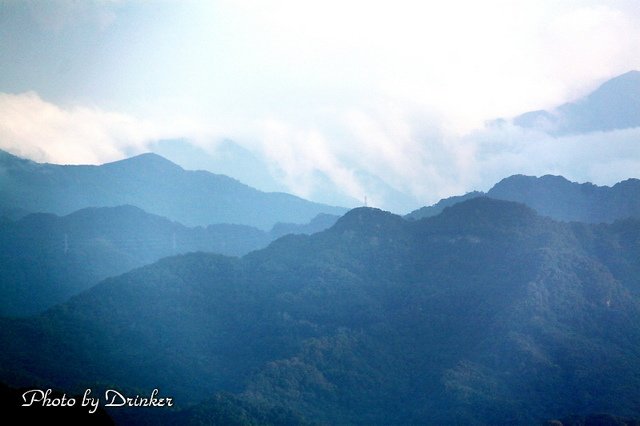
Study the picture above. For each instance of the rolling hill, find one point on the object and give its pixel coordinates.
(45, 259)
(485, 314)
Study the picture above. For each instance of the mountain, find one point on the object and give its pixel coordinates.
(557, 198)
(228, 158)
(317, 224)
(10, 214)
(614, 105)
(485, 314)
(152, 183)
(45, 259)
(437, 208)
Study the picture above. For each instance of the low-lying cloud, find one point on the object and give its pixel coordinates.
(43, 131)
(395, 155)
(415, 163)
(600, 157)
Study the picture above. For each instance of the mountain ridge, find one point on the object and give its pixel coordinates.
(558, 198)
(462, 317)
(152, 183)
(614, 105)
(75, 251)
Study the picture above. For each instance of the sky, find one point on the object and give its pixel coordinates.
(333, 101)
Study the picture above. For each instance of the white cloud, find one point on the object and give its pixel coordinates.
(375, 98)
(297, 155)
(380, 152)
(603, 158)
(43, 131)
(588, 44)
(411, 158)
(469, 60)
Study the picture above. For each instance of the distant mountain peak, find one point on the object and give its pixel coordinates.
(153, 183)
(547, 184)
(485, 209)
(556, 197)
(124, 209)
(615, 104)
(561, 199)
(628, 183)
(364, 218)
(436, 209)
(622, 81)
(149, 156)
(148, 160)
(9, 159)
(524, 181)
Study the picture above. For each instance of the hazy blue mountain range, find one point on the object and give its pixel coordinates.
(232, 159)
(227, 158)
(317, 224)
(485, 314)
(45, 259)
(10, 214)
(437, 208)
(558, 198)
(614, 105)
(152, 183)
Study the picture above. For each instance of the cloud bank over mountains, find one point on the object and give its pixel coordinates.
(390, 159)
(332, 102)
